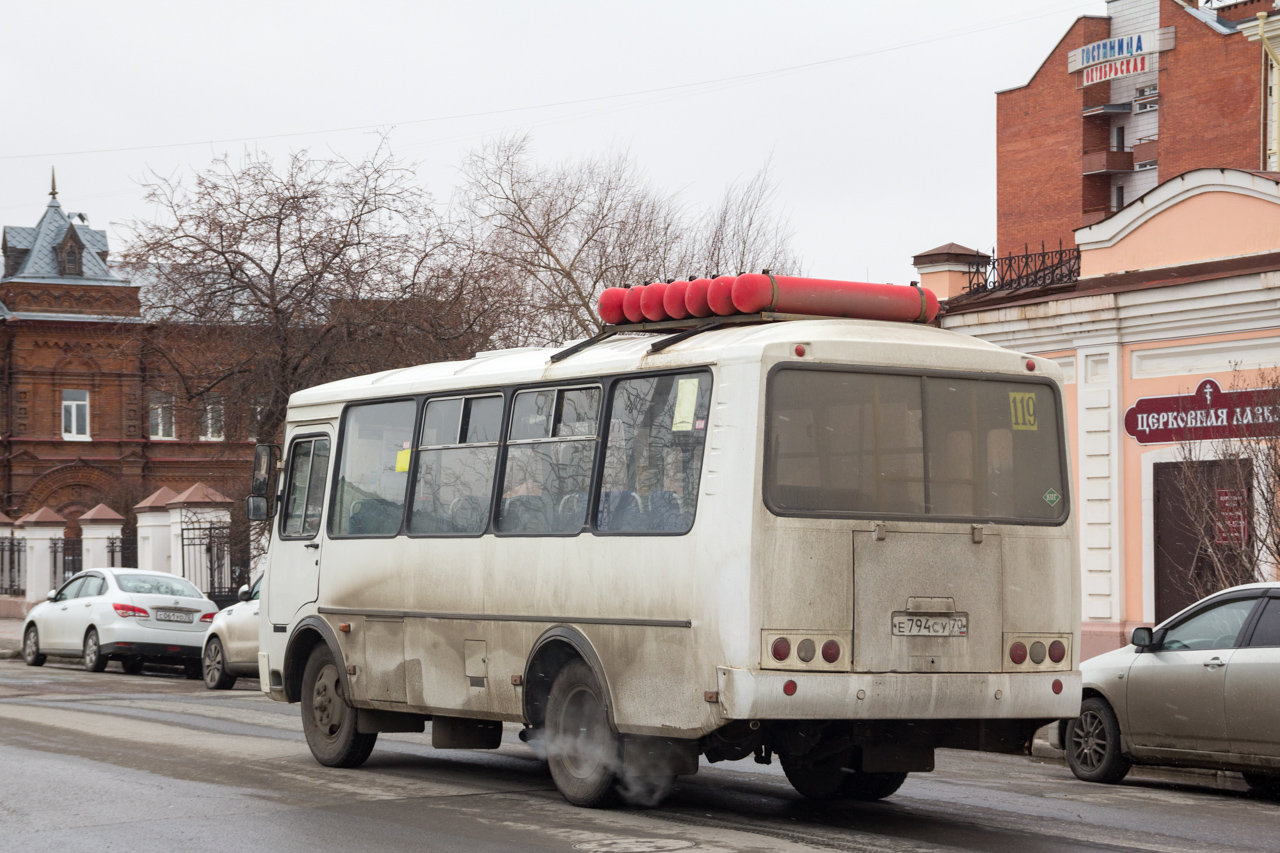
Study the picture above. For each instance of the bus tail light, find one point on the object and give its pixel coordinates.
(1018, 653)
(830, 651)
(781, 649)
(1057, 651)
(789, 687)
(1057, 685)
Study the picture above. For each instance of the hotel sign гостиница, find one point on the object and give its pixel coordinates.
(1121, 56)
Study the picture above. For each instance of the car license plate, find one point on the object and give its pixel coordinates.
(930, 624)
(172, 616)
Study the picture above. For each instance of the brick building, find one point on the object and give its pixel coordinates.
(1154, 89)
(1146, 144)
(81, 421)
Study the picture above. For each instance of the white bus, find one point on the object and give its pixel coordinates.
(842, 543)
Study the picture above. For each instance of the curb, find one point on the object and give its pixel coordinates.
(10, 654)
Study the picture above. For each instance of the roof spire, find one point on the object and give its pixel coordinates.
(53, 192)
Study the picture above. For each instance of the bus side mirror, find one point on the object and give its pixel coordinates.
(262, 488)
(258, 508)
(1143, 638)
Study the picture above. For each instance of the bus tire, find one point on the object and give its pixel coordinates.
(1264, 784)
(833, 778)
(583, 753)
(328, 720)
(1093, 744)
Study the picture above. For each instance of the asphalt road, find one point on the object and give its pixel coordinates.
(155, 762)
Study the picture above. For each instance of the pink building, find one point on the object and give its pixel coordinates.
(1178, 287)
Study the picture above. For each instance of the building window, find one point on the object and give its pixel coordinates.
(211, 422)
(72, 265)
(75, 415)
(1119, 197)
(162, 416)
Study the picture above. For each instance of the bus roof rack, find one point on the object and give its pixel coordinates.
(684, 329)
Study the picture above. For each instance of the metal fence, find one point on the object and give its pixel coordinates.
(13, 566)
(67, 559)
(1030, 269)
(207, 563)
(122, 552)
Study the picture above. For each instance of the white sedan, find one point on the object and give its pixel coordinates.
(231, 643)
(128, 615)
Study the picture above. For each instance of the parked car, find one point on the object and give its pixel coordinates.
(133, 616)
(1202, 689)
(231, 643)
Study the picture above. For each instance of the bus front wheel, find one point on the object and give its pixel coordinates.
(328, 720)
(583, 753)
(832, 778)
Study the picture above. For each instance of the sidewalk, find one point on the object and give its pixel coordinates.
(10, 637)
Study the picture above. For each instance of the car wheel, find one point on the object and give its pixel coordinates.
(215, 667)
(1268, 786)
(583, 753)
(31, 647)
(832, 778)
(91, 656)
(328, 720)
(1093, 744)
(132, 665)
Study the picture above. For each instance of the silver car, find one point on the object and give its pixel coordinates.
(231, 643)
(1202, 689)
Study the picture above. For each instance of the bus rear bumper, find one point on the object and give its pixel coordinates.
(756, 695)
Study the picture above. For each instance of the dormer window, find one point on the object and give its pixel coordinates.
(71, 262)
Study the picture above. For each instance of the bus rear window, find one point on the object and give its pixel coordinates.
(846, 443)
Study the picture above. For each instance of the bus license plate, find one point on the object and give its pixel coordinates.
(172, 616)
(930, 625)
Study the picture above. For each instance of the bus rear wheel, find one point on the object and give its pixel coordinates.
(328, 720)
(833, 778)
(583, 753)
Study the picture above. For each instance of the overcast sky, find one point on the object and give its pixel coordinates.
(879, 118)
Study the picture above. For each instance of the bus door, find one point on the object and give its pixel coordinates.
(294, 575)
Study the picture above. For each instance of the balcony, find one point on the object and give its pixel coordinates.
(1108, 110)
(1145, 151)
(1107, 161)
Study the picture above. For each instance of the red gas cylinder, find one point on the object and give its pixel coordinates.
(695, 298)
(631, 304)
(673, 300)
(651, 302)
(610, 305)
(720, 295)
(755, 292)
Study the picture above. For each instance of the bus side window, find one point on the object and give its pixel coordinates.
(550, 452)
(653, 455)
(304, 495)
(457, 457)
(373, 472)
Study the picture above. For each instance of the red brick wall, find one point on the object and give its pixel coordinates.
(1210, 96)
(1039, 145)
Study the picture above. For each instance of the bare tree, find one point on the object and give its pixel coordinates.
(564, 233)
(1228, 484)
(745, 232)
(259, 280)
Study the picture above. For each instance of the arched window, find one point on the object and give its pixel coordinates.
(72, 260)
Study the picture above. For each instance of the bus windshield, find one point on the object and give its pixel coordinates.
(938, 447)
